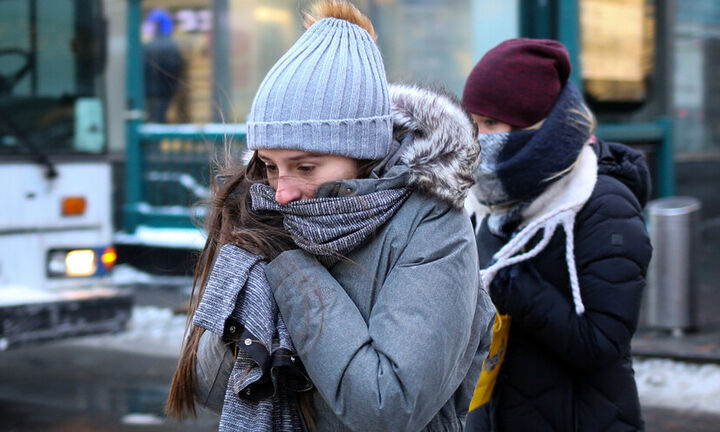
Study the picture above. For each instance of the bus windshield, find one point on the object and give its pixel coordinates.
(51, 63)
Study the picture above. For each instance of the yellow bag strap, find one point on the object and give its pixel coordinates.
(491, 365)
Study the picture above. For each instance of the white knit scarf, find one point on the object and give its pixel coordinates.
(556, 206)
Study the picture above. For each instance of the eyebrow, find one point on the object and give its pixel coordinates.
(293, 158)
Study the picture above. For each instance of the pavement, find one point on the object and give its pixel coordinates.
(699, 341)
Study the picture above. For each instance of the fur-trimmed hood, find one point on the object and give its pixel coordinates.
(444, 150)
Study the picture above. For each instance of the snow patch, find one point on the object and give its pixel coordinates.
(125, 274)
(678, 385)
(151, 331)
(181, 238)
(142, 419)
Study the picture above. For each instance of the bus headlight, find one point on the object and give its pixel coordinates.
(81, 262)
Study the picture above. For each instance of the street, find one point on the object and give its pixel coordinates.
(70, 386)
(63, 387)
(119, 383)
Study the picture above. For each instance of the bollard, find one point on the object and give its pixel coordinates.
(670, 298)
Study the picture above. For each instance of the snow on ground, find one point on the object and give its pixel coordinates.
(186, 238)
(124, 274)
(678, 385)
(151, 331)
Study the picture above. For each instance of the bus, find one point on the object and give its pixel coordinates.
(56, 250)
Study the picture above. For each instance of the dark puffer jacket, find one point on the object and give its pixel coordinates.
(564, 372)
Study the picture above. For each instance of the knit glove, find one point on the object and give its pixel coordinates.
(516, 290)
(502, 287)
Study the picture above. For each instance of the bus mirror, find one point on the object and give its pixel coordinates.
(89, 125)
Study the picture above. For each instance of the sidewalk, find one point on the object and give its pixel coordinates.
(703, 343)
(699, 347)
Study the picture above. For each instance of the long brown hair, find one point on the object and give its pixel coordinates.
(230, 220)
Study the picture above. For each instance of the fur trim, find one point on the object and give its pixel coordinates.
(445, 150)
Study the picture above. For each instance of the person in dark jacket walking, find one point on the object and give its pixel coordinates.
(562, 243)
(163, 64)
(375, 278)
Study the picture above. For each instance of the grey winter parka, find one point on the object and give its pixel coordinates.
(393, 337)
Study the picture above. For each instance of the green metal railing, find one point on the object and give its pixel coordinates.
(175, 162)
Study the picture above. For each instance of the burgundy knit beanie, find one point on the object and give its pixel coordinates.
(518, 81)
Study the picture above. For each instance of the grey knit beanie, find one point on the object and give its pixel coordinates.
(328, 94)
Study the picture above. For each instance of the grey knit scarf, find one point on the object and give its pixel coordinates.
(238, 305)
(330, 227)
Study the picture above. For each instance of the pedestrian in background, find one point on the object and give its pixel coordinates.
(563, 245)
(341, 252)
(163, 65)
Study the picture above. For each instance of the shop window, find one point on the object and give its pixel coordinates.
(617, 50)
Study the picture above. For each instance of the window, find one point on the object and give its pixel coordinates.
(617, 50)
(50, 61)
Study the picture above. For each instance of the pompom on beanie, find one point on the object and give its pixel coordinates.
(518, 81)
(328, 94)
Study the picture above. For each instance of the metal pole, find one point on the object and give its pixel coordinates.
(664, 41)
(134, 116)
(537, 19)
(33, 47)
(569, 34)
(666, 161)
(220, 66)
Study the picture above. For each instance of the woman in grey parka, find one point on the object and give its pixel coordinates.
(376, 291)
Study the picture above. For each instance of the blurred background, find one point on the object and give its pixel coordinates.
(111, 112)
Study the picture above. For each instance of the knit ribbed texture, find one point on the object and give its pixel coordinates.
(331, 227)
(258, 395)
(328, 94)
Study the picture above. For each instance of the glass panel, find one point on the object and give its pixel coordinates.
(421, 40)
(617, 59)
(49, 56)
(260, 33)
(696, 84)
(426, 41)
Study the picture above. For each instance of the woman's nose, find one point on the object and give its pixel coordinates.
(287, 191)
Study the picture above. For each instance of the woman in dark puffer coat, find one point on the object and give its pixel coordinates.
(564, 247)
